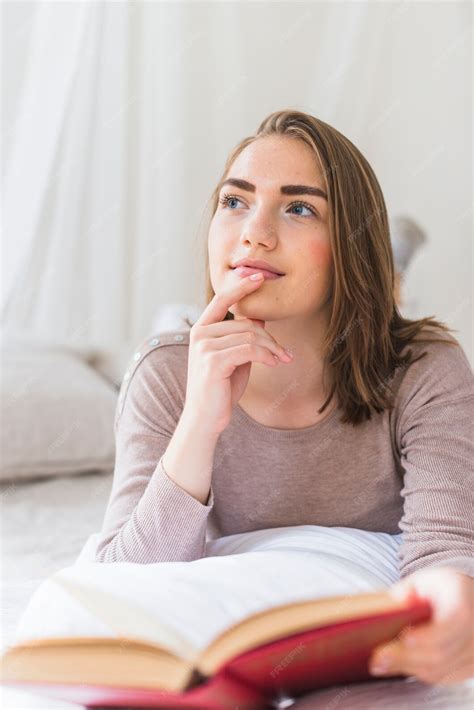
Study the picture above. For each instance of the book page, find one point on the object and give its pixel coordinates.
(183, 606)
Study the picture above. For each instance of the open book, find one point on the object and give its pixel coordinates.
(236, 630)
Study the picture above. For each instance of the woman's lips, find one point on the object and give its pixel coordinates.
(248, 270)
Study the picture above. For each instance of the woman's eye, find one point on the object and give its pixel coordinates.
(226, 199)
(305, 207)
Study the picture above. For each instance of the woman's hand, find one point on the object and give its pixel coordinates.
(440, 651)
(221, 354)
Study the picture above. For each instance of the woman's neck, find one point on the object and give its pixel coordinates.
(299, 384)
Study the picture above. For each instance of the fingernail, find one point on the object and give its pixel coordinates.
(381, 665)
(288, 352)
(256, 277)
(379, 669)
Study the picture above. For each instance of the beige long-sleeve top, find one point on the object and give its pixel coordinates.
(409, 470)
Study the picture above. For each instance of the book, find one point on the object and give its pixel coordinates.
(249, 630)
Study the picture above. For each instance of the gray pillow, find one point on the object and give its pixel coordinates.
(57, 412)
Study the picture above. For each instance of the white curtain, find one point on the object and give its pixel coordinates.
(118, 118)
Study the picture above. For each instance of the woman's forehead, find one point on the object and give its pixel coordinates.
(273, 161)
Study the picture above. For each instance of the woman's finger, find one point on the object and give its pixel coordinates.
(243, 325)
(217, 309)
(251, 337)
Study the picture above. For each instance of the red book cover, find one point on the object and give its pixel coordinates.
(292, 666)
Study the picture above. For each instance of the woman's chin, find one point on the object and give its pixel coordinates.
(258, 313)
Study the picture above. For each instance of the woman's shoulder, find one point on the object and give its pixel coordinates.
(157, 371)
(169, 347)
(441, 373)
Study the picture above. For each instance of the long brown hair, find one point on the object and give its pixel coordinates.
(366, 332)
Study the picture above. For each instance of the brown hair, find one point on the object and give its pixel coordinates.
(366, 332)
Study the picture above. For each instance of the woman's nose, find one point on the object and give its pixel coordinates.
(259, 230)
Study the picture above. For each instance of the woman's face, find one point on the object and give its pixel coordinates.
(262, 223)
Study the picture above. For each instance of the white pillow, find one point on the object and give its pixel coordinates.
(57, 413)
(175, 316)
(246, 569)
(372, 556)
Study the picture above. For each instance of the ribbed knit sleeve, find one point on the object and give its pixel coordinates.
(149, 518)
(437, 454)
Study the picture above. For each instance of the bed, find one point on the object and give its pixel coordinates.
(51, 508)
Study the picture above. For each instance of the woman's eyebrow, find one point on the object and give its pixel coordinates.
(284, 189)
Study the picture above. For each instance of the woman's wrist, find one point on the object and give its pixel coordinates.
(189, 458)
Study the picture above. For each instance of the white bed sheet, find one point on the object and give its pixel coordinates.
(48, 524)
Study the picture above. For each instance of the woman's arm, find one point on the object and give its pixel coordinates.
(436, 560)
(435, 439)
(156, 515)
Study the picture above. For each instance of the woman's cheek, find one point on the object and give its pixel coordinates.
(219, 258)
(320, 253)
(317, 260)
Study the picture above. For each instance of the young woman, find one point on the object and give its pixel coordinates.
(366, 424)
